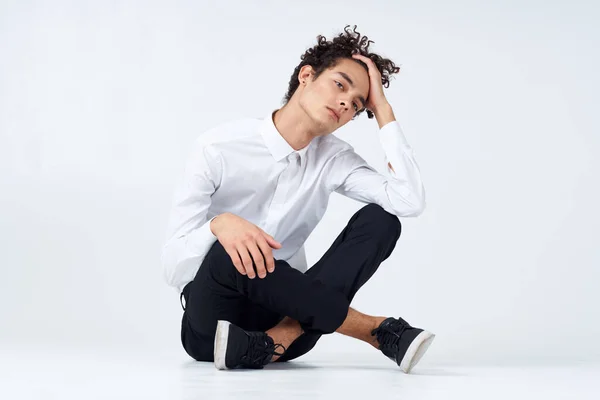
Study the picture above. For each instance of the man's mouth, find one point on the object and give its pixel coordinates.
(333, 114)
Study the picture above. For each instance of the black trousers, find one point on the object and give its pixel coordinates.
(318, 299)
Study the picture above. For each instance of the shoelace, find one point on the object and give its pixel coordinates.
(389, 333)
(260, 351)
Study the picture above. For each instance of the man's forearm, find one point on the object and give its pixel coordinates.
(384, 115)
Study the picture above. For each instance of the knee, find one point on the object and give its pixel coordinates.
(217, 251)
(217, 255)
(218, 260)
(382, 221)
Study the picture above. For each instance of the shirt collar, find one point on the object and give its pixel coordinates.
(276, 144)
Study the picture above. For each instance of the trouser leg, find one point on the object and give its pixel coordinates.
(367, 240)
(219, 291)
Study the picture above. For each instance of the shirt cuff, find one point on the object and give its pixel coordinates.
(201, 240)
(391, 136)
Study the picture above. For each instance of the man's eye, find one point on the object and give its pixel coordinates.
(341, 87)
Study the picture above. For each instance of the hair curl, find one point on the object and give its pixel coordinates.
(326, 54)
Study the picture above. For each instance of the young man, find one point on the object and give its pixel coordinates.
(249, 298)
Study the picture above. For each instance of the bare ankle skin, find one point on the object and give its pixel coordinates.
(356, 325)
(360, 326)
(285, 333)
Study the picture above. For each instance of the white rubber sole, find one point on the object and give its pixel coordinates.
(415, 351)
(221, 344)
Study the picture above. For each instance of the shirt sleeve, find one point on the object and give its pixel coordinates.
(189, 237)
(401, 192)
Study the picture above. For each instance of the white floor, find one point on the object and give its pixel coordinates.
(92, 375)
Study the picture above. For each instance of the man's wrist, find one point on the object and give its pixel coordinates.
(213, 226)
(384, 114)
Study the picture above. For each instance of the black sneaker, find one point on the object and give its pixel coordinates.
(402, 343)
(236, 348)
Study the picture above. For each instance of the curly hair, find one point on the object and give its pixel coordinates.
(326, 54)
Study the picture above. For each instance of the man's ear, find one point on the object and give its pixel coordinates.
(306, 73)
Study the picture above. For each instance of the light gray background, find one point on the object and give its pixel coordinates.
(99, 103)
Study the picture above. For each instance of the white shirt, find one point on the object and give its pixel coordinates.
(247, 168)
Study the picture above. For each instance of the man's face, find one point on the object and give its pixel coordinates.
(343, 88)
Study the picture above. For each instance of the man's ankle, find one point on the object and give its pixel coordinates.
(372, 338)
(285, 333)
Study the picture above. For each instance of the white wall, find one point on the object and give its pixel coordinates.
(99, 103)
